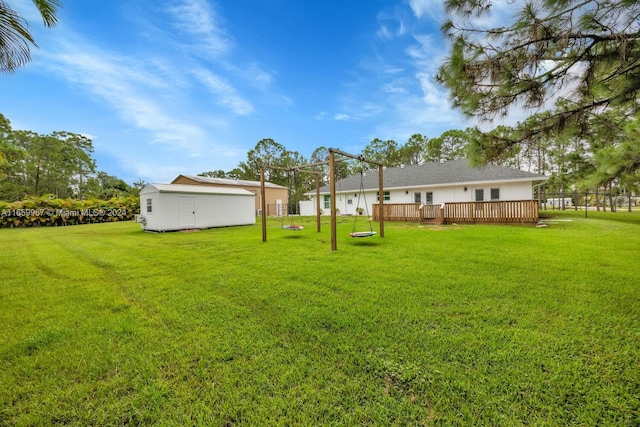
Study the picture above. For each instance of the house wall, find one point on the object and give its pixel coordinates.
(211, 210)
(307, 207)
(347, 202)
(272, 195)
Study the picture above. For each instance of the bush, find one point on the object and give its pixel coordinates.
(50, 211)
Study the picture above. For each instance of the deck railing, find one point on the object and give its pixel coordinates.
(496, 212)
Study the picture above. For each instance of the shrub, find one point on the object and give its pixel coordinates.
(51, 211)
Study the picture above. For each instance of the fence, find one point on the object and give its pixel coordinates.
(280, 210)
(497, 212)
(588, 200)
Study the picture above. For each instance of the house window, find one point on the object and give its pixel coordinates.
(149, 206)
(479, 195)
(429, 197)
(349, 201)
(327, 202)
(495, 194)
(417, 197)
(386, 195)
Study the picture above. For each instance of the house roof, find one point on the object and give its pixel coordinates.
(227, 181)
(451, 172)
(194, 189)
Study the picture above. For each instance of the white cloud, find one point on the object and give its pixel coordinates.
(390, 25)
(431, 94)
(226, 95)
(432, 9)
(384, 33)
(259, 77)
(354, 109)
(394, 87)
(129, 89)
(198, 19)
(392, 70)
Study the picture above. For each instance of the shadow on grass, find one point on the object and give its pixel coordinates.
(295, 236)
(363, 242)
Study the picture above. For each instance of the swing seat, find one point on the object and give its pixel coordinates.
(293, 227)
(362, 234)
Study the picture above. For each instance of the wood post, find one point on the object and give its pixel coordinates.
(332, 196)
(318, 202)
(381, 192)
(263, 203)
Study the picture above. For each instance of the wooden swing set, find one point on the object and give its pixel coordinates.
(332, 191)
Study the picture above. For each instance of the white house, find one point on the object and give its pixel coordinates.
(430, 184)
(558, 202)
(167, 207)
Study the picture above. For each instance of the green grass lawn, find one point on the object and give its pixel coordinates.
(457, 325)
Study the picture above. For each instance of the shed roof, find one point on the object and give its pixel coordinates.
(194, 189)
(227, 181)
(433, 174)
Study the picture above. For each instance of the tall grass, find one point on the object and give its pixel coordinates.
(105, 324)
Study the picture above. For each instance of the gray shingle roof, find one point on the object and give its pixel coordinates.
(427, 174)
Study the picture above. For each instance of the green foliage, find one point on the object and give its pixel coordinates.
(451, 145)
(578, 60)
(414, 150)
(533, 56)
(105, 186)
(35, 164)
(15, 36)
(480, 325)
(49, 211)
(214, 174)
(60, 163)
(385, 152)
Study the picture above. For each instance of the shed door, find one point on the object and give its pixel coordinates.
(187, 212)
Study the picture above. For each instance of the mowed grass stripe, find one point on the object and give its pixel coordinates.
(458, 325)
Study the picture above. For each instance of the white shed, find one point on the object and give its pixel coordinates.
(167, 207)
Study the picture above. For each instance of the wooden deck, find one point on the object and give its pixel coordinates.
(498, 212)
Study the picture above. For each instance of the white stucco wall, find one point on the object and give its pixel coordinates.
(203, 210)
(347, 202)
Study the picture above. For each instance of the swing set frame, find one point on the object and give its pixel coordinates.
(263, 199)
(332, 191)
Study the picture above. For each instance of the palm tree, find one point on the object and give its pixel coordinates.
(15, 36)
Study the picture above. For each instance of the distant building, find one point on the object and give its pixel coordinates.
(276, 195)
(556, 202)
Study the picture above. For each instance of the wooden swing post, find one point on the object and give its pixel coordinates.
(263, 205)
(332, 190)
(289, 169)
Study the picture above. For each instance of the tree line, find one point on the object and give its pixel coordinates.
(575, 163)
(58, 164)
(417, 149)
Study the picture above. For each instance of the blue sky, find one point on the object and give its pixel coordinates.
(168, 87)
